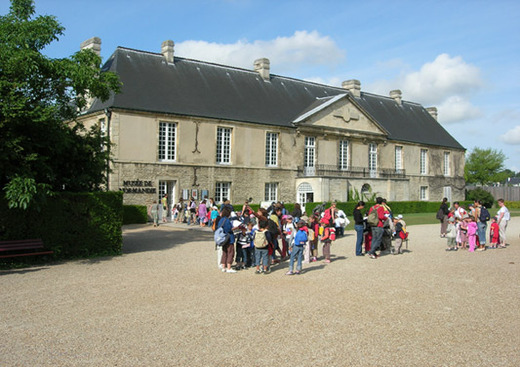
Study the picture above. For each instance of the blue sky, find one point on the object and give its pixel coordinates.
(462, 57)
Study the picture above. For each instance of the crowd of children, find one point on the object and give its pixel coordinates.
(466, 229)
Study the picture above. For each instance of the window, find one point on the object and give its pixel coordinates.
(310, 146)
(424, 193)
(424, 161)
(222, 191)
(223, 145)
(372, 159)
(271, 149)
(167, 132)
(398, 159)
(446, 163)
(343, 155)
(103, 130)
(271, 191)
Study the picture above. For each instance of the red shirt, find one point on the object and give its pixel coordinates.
(380, 214)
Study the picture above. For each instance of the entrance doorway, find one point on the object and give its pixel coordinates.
(167, 187)
(304, 194)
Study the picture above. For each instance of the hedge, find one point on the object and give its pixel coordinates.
(135, 214)
(73, 225)
(512, 204)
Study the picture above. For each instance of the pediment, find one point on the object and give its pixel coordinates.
(340, 113)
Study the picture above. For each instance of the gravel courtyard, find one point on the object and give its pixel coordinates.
(165, 303)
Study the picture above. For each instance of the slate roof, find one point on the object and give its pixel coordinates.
(201, 89)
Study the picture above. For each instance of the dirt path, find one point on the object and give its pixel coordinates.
(164, 303)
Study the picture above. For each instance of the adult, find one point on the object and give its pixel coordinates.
(154, 211)
(460, 213)
(192, 211)
(358, 227)
(164, 202)
(504, 217)
(297, 212)
(180, 211)
(377, 231)
(442, 216)
(329, 215)
(481, 226)
(203, 213)
(228, 249)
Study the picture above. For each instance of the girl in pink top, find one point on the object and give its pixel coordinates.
(472, 234)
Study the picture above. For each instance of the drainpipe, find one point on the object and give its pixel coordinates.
(108, 114)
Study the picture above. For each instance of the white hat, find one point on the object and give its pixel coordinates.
(400, 216)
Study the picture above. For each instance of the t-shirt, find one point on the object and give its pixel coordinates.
(505, 211)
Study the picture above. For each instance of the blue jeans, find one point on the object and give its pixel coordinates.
(296, 251)
(377, 236)
(261, 256)
(481, 232)
(359, 239)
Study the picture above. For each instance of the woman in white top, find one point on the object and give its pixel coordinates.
(503, 218)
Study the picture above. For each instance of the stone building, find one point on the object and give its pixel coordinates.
(192, 128)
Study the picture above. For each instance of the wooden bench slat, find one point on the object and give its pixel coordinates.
(22, 245)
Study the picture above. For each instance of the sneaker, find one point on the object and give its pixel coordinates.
(231, 271)
(223, 270)
(298, 272)
(289, 273)
(314, 259)
(267, 271)
(449, 249)
(327, 261)
(258, 271)
(372, 256)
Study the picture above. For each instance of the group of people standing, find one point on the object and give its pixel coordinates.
(260, 239)
(467, 229)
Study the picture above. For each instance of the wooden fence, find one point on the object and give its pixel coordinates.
(508, 193)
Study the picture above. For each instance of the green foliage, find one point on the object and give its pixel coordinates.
(37, 95)
(480, 194)
(512, 204)
(73, 225)
(135, 214)
(22, 191)
(485, 166)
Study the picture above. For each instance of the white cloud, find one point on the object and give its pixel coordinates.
(300, 49)
(512, 136)
(447, 83)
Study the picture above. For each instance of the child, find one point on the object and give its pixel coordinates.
(451, 234)
(326, 240)
(243, 243)
(300, 239)
(494, 233)
(289, 231)
(313, 243)
(472, 234)
(261, 247)
(463, 231)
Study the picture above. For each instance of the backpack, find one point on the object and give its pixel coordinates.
(220, 237)
(259, 240)
(332, 234)
(311, 235)
(484, 214)
(373, 218)
(272, 227)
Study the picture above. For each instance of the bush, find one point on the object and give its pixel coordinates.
(480, 194)
(135, 214)
(512, 204)
(73, 225)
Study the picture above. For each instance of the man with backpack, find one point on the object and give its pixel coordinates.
(482, 216)
(376, 219)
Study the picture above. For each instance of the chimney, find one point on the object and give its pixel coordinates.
(167, 50)
(93, 44)
(262, 66)
(353, 86)
(433, 112)
(396, 94)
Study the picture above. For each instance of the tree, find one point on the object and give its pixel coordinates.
(485, 166)
(42, 149)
